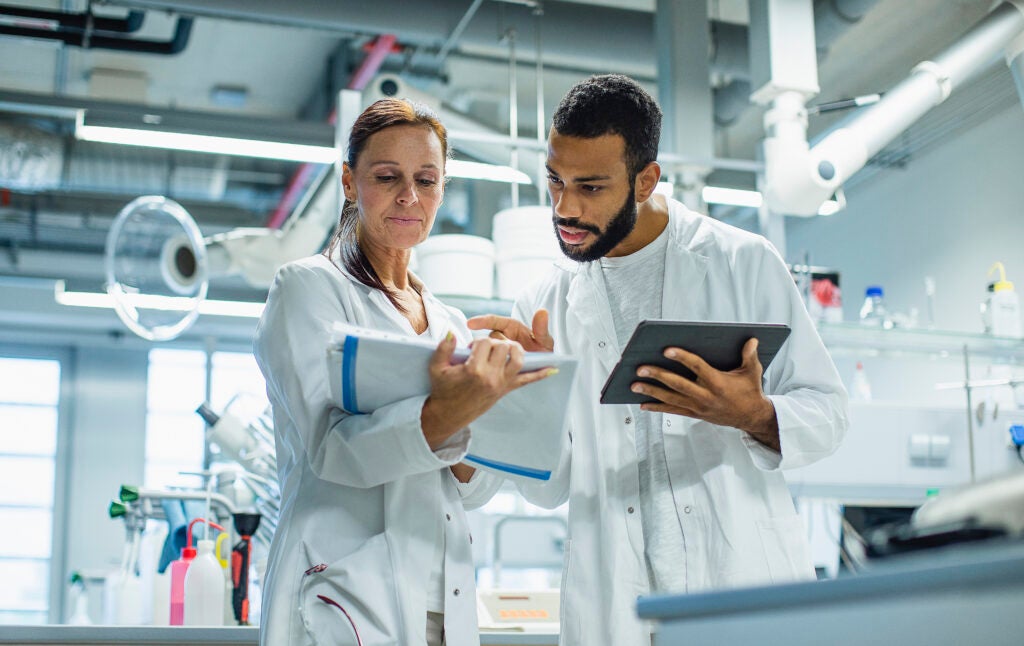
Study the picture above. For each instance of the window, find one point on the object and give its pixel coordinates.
(29, 398)
(177, 386)
(174, 433)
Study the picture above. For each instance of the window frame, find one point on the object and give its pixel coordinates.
(65, 357)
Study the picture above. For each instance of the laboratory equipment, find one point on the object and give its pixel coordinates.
(525, 248)
(204, 588)
(180, 587)
(457, 265)
(241, 561)
(799, 178)
(873, 312)
(860, 389)
(155, 267)
(1001, 311)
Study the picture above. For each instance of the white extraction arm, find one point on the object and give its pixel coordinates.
(798, 178)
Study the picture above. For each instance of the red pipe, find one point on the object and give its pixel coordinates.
(377, 51)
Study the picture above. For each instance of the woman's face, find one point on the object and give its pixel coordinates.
(397, 185)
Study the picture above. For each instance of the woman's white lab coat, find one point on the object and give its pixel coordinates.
(362, 496)
(738, 520)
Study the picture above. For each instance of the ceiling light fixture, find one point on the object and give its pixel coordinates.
(754, 199)
(238, 309)
(262, 149)
(206, 144)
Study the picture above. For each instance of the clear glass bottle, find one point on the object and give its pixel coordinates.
(874, 313)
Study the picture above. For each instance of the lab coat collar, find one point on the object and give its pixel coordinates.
(686, 268)
(380, 300)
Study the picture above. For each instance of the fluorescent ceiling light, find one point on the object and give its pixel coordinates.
(164, 303)
(753, 199)
(268, 150)
(207, 144)
(475, 170)
(732, 196)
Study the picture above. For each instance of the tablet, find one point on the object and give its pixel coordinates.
(719, 344)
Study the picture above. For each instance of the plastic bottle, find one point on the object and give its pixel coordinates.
(873, 312)
(1002, 310)
(204, 589)
(178, 571)
(861, 388)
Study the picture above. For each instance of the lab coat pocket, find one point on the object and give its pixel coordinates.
(786, 551)
(353, 600)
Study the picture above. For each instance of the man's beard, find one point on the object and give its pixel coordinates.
(618, 228)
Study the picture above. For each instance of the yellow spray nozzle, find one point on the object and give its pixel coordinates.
(1002, 284)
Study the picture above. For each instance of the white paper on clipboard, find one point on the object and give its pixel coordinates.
(520, 435)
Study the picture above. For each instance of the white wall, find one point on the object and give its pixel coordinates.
(950, 214)
(108, 442)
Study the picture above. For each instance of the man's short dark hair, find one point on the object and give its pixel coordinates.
(613, 104)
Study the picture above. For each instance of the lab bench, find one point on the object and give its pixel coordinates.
(955, 595)
(191, 636)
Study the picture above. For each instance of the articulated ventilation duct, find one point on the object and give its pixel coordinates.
(1015, 59)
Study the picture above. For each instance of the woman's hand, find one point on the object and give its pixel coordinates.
(461, 393)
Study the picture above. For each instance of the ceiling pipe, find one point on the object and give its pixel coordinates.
(93, 40)
(79, 21)
(378, 51)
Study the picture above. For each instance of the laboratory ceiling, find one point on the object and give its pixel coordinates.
(258, 60)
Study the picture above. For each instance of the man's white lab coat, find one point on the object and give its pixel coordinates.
(739, 523)
(362, 495)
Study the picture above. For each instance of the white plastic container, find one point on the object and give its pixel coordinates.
(204, 589)
(1001, 312)
(457, 265)
(525, 246)
(860, 390)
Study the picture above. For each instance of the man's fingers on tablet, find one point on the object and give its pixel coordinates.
(673, 381)
(691, 361)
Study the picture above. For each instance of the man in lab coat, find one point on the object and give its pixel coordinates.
(688, 494)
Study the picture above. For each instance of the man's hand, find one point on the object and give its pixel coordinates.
(732, 398)
(533, 340)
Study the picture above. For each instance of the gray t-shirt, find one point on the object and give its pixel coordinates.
(635, 284)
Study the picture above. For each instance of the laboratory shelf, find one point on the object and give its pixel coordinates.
(903, 341)
(475, 306)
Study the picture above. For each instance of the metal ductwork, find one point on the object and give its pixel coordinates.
(831, 20)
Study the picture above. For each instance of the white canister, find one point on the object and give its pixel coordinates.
(526, 247)
(454, 264)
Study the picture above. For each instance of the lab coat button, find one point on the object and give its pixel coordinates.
(668, 422)
(629, 420)
(470, 539)
(687, 509)
(601, 344)
(456, 592)
(629, 509)
(448, 516)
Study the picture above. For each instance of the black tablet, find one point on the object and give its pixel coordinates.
(719, 344)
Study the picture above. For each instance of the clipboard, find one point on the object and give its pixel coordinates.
(719, 344)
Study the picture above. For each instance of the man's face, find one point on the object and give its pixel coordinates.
(591, 193)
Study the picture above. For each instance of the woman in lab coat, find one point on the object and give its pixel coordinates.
(372, 545)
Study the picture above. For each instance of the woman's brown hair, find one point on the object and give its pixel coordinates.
(383, 114)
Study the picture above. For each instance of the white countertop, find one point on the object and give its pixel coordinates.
(58, 635)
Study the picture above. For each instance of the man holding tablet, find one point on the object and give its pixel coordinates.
(685, 492)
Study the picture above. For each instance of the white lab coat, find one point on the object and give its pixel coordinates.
(361, 494)
(738, 519)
